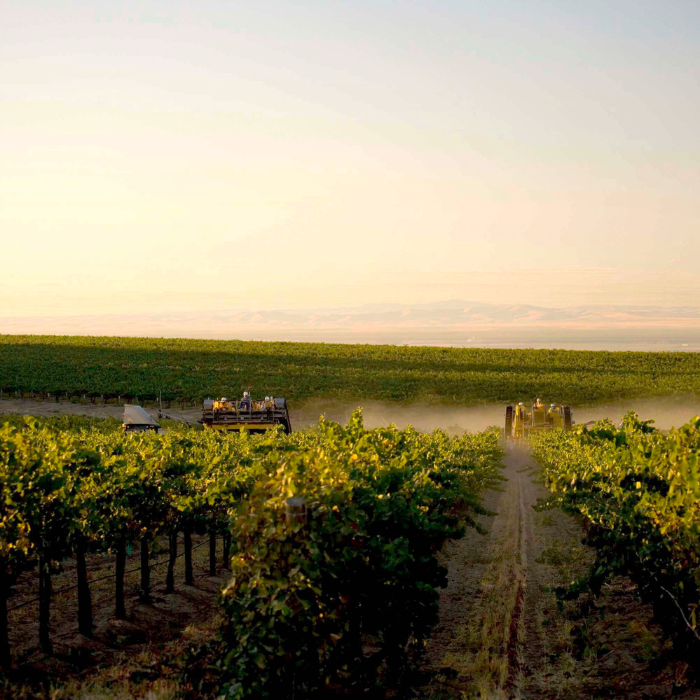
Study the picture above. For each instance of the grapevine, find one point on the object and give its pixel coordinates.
(381, 504)
(639, 492)
(105, 368)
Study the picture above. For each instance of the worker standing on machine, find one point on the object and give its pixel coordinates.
(245, 401)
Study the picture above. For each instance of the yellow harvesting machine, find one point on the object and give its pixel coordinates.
(521, 420)
(247, 414)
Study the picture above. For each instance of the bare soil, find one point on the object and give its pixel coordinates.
(188, 613)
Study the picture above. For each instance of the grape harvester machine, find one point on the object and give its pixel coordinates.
(521, 421)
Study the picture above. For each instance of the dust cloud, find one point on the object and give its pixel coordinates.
(666, 413)
(423, 417)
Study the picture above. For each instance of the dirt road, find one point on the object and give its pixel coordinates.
(488, 639)
(47, 409)
(502, 633)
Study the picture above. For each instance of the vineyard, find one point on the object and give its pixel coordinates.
(332, 537)
(349, 561)
(73, 367)
(638, 490)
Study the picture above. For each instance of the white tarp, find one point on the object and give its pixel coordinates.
(136, 415)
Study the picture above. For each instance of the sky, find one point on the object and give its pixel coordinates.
(268, 154)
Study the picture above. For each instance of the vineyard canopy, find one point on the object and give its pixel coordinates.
(196, 369)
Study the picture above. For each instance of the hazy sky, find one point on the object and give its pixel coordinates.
(181, 155)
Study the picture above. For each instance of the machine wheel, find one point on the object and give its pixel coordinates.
(567, 419)
(509, 423)
(287, 423)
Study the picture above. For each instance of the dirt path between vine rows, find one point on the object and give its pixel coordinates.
(502, 633)
(478, 645)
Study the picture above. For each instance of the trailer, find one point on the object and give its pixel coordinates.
(135, 419)
(254, 416)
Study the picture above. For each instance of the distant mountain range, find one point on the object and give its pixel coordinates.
(453, 322)
(462, 315)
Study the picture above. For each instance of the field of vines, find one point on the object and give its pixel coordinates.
(638, 490)
(194, 369)
(308, 592)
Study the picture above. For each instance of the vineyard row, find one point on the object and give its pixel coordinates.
(149, 368)
(305, 592)
(638, 490)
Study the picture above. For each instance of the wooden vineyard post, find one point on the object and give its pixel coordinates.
(170, 576)
(226, 555)
(145, 572)
(120, 608)
(295, 511)
(189, 576)
(212, 551)
(84, 598)
(44, 606)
